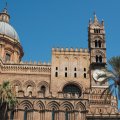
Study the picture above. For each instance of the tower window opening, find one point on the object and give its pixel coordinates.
(84, 69)
(84, 75)
(99, 42)
(56, 74)
(7, 57)
(100, 59)
(96, 59)
(65, 74)
(96, 30)
(96, 43)
(75, 75)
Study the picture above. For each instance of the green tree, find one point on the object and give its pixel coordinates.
(113, 77)
(7, 99)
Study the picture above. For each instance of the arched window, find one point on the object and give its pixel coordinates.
(53, 114)
(43, 88)
(99, 43)
(84, 75)
(25, 113)
(56, 74)
(96, 43)
(72, 89)
(100, 59)
(7, 57)
(29, 90)
(66, 114)
(75, 75)
(96, 58)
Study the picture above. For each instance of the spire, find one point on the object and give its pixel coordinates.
(4, 16)
(95, 18)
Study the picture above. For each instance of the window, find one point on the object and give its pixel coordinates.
(65, 68)
(56, 68)
(7, 57)
(66, 114)
(96, 30)
(75, 75)
(96, 58)
(75, 69)
(43, 88)
(25, 113)
(29, 90)
(99, 43)
(100, 59)
(72, 89)
(53, 114)
(96, 44)
(65, 74)
(56, 74)
(84, 75)
(84, 69)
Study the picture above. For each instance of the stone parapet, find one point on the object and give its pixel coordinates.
(26, 68)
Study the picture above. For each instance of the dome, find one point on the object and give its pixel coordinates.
(8, 30)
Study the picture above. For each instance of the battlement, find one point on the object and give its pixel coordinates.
(85, 50)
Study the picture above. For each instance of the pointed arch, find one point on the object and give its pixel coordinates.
(39, 105)
(25, 104)
(80, 106)
(53, 105)
(66, 106)
(29, 82)
(16, 83)
(43, 83)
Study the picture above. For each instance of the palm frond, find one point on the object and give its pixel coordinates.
(108, 90)
(115, 64)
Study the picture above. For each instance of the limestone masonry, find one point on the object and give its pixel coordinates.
(63, 89)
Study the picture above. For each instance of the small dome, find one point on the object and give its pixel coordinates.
(8, 30)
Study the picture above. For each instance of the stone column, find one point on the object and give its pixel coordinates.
(61, 115)
(48, 115)
(21, 115)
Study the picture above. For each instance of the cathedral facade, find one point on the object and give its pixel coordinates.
(63, 89)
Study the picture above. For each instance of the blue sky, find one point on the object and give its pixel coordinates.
(43, 24)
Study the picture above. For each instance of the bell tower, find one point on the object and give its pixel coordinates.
(97, 45)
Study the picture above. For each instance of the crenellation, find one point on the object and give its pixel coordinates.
(70, 50)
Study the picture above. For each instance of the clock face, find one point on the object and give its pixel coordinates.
(97, 73)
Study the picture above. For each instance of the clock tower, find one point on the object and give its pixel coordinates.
(97, 46)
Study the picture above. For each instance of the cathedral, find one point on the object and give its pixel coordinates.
(63, 89)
